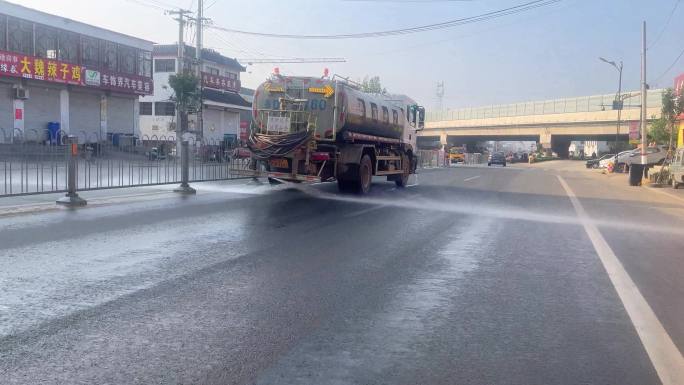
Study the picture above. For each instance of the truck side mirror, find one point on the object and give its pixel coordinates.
(421, 118)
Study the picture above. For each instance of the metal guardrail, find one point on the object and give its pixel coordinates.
(33, 162)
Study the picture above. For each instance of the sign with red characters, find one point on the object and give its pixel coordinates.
(30, 67)
(223, 83)
(55, 71)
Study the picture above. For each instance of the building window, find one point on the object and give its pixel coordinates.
(127, 59)
(46, 42)
(385, 115)
(395, 117)
(165, 109)
(68, 47)
(362, 107)
(145, 108)
(212, 71)
(145, 63)
(164, 65)
(108, 56)
(374, 111)
(20, 36)
(90, 52)
(3, 32)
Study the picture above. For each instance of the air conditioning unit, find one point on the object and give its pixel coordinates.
(21, 93)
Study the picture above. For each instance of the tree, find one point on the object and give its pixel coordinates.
(673, 106)
(658, 132)
(373, 85)
(186, 95)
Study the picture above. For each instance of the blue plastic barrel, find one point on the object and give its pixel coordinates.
(53, 132)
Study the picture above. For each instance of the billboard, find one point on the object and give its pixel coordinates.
(55, 71)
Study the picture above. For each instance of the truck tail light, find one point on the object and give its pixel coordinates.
(320, 156)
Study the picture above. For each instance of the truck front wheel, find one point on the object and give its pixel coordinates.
(402, 180)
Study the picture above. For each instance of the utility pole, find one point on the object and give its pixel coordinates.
(440, 95)
(644, 131)
(182, 146)
(181, 13)
(198, 57)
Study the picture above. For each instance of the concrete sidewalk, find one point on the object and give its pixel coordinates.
(32, 203)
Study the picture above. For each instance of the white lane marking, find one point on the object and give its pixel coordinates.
(664, 355)
(364, 211)
(471, 178)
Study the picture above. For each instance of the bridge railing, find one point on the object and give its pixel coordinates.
(544, 107)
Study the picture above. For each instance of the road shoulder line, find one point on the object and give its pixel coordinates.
(664, 355)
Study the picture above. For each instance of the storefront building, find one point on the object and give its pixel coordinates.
(222, 101)
(678, 86)
(69, 76)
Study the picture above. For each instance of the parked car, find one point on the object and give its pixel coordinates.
(497, 158)
(622, 156)
(595, 163)
(677, 168)
(155, 154)
(654, 155)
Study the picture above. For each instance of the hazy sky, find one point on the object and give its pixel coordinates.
(550, 52)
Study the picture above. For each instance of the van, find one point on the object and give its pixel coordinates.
(677, 168)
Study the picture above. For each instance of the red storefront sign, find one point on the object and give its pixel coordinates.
(31, 67)
(679, 84)
(634, 134)
(126, 83)
(223, 83)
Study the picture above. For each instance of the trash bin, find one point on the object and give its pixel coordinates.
(636, 172)
(53, 132)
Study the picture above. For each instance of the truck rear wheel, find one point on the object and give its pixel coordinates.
(344, 185)
(363, 184)
(403, 178)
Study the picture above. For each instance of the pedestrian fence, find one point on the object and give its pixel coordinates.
(37, 161)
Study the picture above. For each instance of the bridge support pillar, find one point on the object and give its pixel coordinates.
(443, 139)
(545, 141)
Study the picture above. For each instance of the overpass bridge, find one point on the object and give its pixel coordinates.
(553, 123)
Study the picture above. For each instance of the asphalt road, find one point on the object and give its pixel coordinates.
(470, 276)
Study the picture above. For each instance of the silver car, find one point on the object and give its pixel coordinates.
(654, 155)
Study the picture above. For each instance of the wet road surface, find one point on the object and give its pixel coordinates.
(471, 276)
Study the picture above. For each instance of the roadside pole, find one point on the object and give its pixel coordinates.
(198, 58)
(71, 198)
(182, 146)
(644, 130)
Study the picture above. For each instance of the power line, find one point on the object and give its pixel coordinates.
(670, 67)
(662, 30)
(403, 31)
(294, 60)
(147, 4)
(210, 5)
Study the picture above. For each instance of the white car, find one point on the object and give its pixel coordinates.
(622, 156)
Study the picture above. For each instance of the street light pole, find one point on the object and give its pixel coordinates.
(617, 104)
